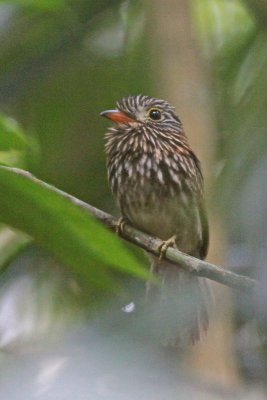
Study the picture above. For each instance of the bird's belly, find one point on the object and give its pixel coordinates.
(166, 217)
(155, 222)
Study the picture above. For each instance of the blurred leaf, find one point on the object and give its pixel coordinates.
(12, 158)
(259, 9)
(11, 242)
(11, 136)
(40, 4)
(13, 143)
(73, 236)
(243, 102)
(236, 45)
(221, 23)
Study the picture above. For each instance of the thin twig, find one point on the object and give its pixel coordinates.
(151, 244)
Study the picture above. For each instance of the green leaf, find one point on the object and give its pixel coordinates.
(67, 231)
(14, 146)
(40, 4)
(11, 135)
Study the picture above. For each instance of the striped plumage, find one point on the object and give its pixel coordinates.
(157, 181)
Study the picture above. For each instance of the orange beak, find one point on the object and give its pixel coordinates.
(117, 116)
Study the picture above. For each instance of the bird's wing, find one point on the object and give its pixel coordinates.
(203, 250)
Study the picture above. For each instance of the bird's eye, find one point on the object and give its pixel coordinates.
(154, 114)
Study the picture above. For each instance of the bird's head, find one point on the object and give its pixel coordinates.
(139, 111)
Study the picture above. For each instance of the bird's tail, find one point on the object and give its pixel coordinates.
(181, 304)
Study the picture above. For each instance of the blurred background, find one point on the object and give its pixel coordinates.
(62, 63)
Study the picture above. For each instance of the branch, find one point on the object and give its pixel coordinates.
(151, 244)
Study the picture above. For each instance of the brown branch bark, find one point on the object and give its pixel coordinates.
(151, 244)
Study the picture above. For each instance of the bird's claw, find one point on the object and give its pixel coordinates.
(165, 245)
(120, 225)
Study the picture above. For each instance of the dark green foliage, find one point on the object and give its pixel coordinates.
(75, 238)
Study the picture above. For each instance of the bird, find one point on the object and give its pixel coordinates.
(157, 181)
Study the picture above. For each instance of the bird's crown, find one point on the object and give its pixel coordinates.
(146, 108)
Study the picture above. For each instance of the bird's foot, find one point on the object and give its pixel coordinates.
(120, 225)
(165, 245)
